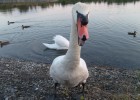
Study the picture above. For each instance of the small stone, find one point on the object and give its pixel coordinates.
(138, 83)
(7, 65)
(36, 88)
(6, 98)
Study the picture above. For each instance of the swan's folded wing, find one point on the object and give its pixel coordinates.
(61, 41)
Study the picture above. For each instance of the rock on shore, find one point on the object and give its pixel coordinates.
(26, 80)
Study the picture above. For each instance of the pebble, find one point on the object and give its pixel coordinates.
(29, 79)
(7, 65)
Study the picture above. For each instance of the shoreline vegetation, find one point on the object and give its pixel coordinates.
(27, 80)
(37, 2)
(65, 1)
(98, 1)
(25, 5)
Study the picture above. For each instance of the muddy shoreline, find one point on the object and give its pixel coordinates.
(26, 80)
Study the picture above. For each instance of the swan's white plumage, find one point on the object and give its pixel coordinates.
(60, 43)
(80, 7)
(68, 76)
(70, 69)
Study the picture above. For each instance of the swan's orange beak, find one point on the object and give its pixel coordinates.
(82, 31)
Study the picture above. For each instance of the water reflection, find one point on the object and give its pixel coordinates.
(24, 6)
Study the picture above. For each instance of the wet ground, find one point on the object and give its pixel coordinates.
(25, 80)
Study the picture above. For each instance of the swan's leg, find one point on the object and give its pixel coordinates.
(83, 87)
(55, 86)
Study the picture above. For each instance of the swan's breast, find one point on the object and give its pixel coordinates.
(62, 72)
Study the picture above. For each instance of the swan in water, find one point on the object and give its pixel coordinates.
(69, 69)
(60, 43)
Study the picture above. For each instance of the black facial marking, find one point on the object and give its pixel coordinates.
(84, 18)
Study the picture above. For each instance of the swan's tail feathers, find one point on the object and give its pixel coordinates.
(50, 46)
(60, 43)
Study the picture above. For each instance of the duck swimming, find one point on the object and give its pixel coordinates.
(2, 43)
(25, 27)
(132, 33)
(10, 22)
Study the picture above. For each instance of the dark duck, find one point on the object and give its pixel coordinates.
(10, 22)
(2, 43)
(23, 27)
(132, 33)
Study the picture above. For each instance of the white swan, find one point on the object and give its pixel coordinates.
(71, 70)
(60, 43)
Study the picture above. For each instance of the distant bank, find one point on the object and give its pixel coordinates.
(67, 1)
(20, 1)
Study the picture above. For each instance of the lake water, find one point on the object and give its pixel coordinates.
(109, 43)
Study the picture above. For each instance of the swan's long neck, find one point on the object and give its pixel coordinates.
(73, 53)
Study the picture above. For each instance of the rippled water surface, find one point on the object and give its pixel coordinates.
(109, 43)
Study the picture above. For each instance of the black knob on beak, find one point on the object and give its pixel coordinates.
(84, 38)
(84, 21)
